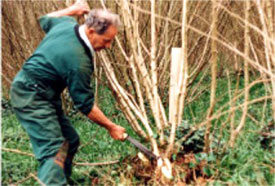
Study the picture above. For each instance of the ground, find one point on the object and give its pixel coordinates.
(251, 162)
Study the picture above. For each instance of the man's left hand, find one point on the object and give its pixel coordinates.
(80, 7)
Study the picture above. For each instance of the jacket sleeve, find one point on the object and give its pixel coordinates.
(80, 89)
(47, 23)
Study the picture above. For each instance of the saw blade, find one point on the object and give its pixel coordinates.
(141, 147)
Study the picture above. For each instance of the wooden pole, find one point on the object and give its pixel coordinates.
(182, 82)
(213, 61)
(235, 133)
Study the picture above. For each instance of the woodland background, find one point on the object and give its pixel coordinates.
(223, 131)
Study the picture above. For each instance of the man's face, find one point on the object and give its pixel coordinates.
(101, 41)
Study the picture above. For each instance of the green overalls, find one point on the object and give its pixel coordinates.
(61, 60)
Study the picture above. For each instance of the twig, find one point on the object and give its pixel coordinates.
(96, 164)
(218, 115)
(17, 152)
(37, 179)
(256, 66)
(22, 181)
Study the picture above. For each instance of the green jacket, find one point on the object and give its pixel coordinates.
(63, 60)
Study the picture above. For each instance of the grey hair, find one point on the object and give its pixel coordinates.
(101, 19)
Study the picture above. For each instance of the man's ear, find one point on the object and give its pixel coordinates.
(91, 31)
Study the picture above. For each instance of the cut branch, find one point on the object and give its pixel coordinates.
(96, 164)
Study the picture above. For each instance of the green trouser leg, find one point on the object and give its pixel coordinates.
(71, 136)
(48, 129)
(51, 173)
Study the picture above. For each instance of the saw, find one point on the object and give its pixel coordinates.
(141, 147)
(164, 164)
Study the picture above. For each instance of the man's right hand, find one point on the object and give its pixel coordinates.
(117, 132)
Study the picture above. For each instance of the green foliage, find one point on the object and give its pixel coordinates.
(96, 146)
(15, 167)
(194, 142)
(249, 163)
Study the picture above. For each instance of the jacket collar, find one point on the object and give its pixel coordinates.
(89, 51)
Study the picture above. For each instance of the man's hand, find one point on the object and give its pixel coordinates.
(117, 132)
(79, 8)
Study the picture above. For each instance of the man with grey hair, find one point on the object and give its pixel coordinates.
(63, 59)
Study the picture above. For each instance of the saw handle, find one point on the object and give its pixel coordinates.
(125, 135)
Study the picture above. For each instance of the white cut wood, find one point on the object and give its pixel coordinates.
(174, 83)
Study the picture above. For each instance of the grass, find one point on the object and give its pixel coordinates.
(247, 164)
(96, 146)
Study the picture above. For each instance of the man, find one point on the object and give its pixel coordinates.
(63, 59)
